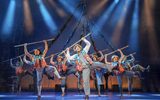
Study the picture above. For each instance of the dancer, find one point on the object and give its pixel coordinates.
(48, 70)
(85, 62)
(118, 70)
(65, 69)
(83, 59)
(99, 71)
(39, 63)
(128, 64)
(20, 71)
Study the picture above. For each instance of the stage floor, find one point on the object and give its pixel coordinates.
(76, 96)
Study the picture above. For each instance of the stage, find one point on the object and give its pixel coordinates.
(76, 96)
(69, 45)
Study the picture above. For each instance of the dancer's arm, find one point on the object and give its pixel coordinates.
(102, 56)
(88, 45)
(121, 55)
(132, 58)
(51, 60)
(106, 61)
(21, 61)
(27, 61)
(26, 52)
(68, 56)
(46, 48)
(11, 64)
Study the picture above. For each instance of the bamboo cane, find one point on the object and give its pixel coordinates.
(117, 50)
(20, 45)
(74, 44)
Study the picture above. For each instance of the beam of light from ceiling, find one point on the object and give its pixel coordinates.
(47, 17)
(134, 37)
(102, 20)
(118, 28)
(70, 7)
(59, 10)
(149, 23)
(114, 18)
(9, 19)
(94, 10)
(27, 17)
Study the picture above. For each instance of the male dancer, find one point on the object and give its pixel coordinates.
(20, 71)
(82, 58)
(85, 62)
(128, 64)
(65, 68)
(118, 70)
(99, 71)
(39, 63)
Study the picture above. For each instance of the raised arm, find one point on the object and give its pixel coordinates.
(46, 48)
(106, 61)
(11, 64)
(68, 56)
(27, 61)
(101, 57)
(88, 45)
(51, 60)
(21, 61)
(132, 58)
(121, 55)
(64, 61)
(26, 52)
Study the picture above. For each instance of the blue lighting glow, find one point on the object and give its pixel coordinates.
(116, 14)
(70, 7)
(47, 17)
(9, 19)
(134, 27)
(102, 20)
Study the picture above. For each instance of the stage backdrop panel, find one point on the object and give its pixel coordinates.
(27, 81)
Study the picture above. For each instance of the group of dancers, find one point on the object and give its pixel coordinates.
(79, 63)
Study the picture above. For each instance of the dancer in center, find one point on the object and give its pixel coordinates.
(83, 60)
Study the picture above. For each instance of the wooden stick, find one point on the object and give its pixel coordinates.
(32, 43)
(74, 43)
(131, 53)
(51, 55)
(15, 57)
(117, 50)
(100, 50)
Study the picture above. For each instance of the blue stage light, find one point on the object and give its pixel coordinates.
(116, 35)
(70, 6)
(102, 20)
(9, 19)
(116, 15)
(135, 27)
(47, 17)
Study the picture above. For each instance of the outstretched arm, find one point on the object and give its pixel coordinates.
(51, 60)
(21, 61)
(132, 58)
(27, 61)
(121, 55)
(26, 52)
(106, 61)
(11, 64)
(102, 56)
(68, 56)
(46, 48)
(88, 45)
